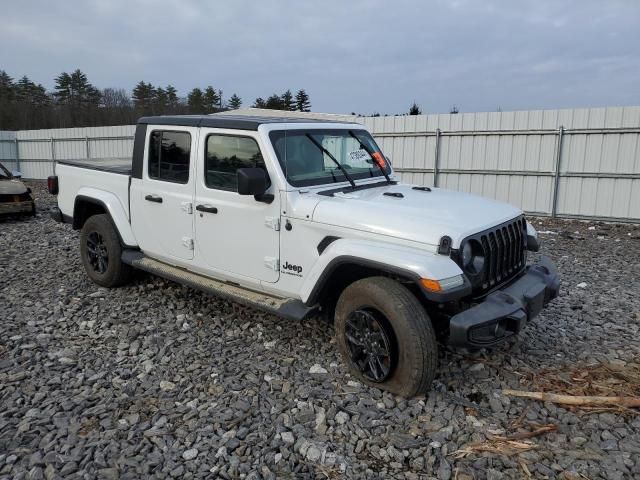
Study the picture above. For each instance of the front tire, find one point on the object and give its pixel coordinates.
(101, 251)
(386, 337)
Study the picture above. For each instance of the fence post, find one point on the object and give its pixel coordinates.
(15, 141)
(556, 174)
(86, 139)
(436, 163)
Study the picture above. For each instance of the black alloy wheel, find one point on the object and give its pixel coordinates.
(371, 343)
(97, 252)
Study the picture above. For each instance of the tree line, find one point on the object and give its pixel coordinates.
(76, 102)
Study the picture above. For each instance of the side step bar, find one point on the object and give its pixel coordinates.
(284, 307)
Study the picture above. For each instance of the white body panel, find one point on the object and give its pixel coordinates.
(242, 242)
(165, 230)
(111, 189)
(241, 239)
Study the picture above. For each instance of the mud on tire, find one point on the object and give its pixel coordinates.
(101, 250)
(407, 331)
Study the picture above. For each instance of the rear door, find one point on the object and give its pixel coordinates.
(236, 235)
(162, 201)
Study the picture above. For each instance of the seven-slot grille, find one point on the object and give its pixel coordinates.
(505, 255)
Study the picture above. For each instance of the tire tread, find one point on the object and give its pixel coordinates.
(423, 354)
(118, 273)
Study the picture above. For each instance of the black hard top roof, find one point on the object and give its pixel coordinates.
(239, 122)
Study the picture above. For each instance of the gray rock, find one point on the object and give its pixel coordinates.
(313, 454)
(341, 418)
(167, 386)
(317, 369)
(287, 437)
(190, 454)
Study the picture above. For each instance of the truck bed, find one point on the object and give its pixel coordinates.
(106, 180)
(113, 165)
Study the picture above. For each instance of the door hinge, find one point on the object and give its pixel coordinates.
(272, 262)
(187, 242)
(187, 207)
(272, 222)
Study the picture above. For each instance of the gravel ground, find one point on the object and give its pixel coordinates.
(158, 380)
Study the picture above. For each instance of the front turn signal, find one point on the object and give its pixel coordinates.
(443, 285)
(431, 285)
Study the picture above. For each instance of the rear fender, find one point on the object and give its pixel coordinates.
(115, 209)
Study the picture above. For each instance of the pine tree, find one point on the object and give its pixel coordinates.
(160, 100)
(39, 96)
(76, 89)
(172, 96)
(259, 103)
(211, 100)
(63, 88)
(7, 88)
(23, 89)
(29, 93)
(143, 95)
(234, 102)
(415, 109)
(303, 104)
(287, 101)
(274, 102)
(195, 101)
(84, 92)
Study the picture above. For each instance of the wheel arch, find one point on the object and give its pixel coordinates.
(346, 269)
(346, 260)
(89, 203)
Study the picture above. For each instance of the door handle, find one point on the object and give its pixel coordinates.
(207, 208)
(153, 198)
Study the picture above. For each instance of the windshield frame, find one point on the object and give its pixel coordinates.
(338, 176)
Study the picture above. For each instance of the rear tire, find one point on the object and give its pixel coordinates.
(398, 324)
(101, 251)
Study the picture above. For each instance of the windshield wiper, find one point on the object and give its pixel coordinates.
(324, 150)
(371, 153)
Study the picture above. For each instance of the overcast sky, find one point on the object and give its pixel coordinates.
(357, 55)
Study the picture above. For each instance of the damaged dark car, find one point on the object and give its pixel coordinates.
(15, 197)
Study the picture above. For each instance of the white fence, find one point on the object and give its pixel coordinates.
(582, 163)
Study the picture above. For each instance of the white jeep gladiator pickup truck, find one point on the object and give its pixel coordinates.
(297, 216)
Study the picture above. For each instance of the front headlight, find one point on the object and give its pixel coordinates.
(472, 257)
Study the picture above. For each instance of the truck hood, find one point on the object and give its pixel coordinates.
(12, 187)
(416, 215)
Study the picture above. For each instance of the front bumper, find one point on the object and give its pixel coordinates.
(9, 208)
(505, 312)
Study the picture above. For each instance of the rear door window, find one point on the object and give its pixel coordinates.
(169, 156)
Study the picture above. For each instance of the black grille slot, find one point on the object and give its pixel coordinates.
(505, 255)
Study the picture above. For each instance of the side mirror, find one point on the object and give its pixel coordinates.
(16, 174)
(254, 181)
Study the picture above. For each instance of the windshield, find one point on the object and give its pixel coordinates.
(4, 173)
(305, 155)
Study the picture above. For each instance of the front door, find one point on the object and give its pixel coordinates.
(236, 235)
(162, 201)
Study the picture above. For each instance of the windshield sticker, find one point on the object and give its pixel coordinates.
(379, 159)
(359, 156)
